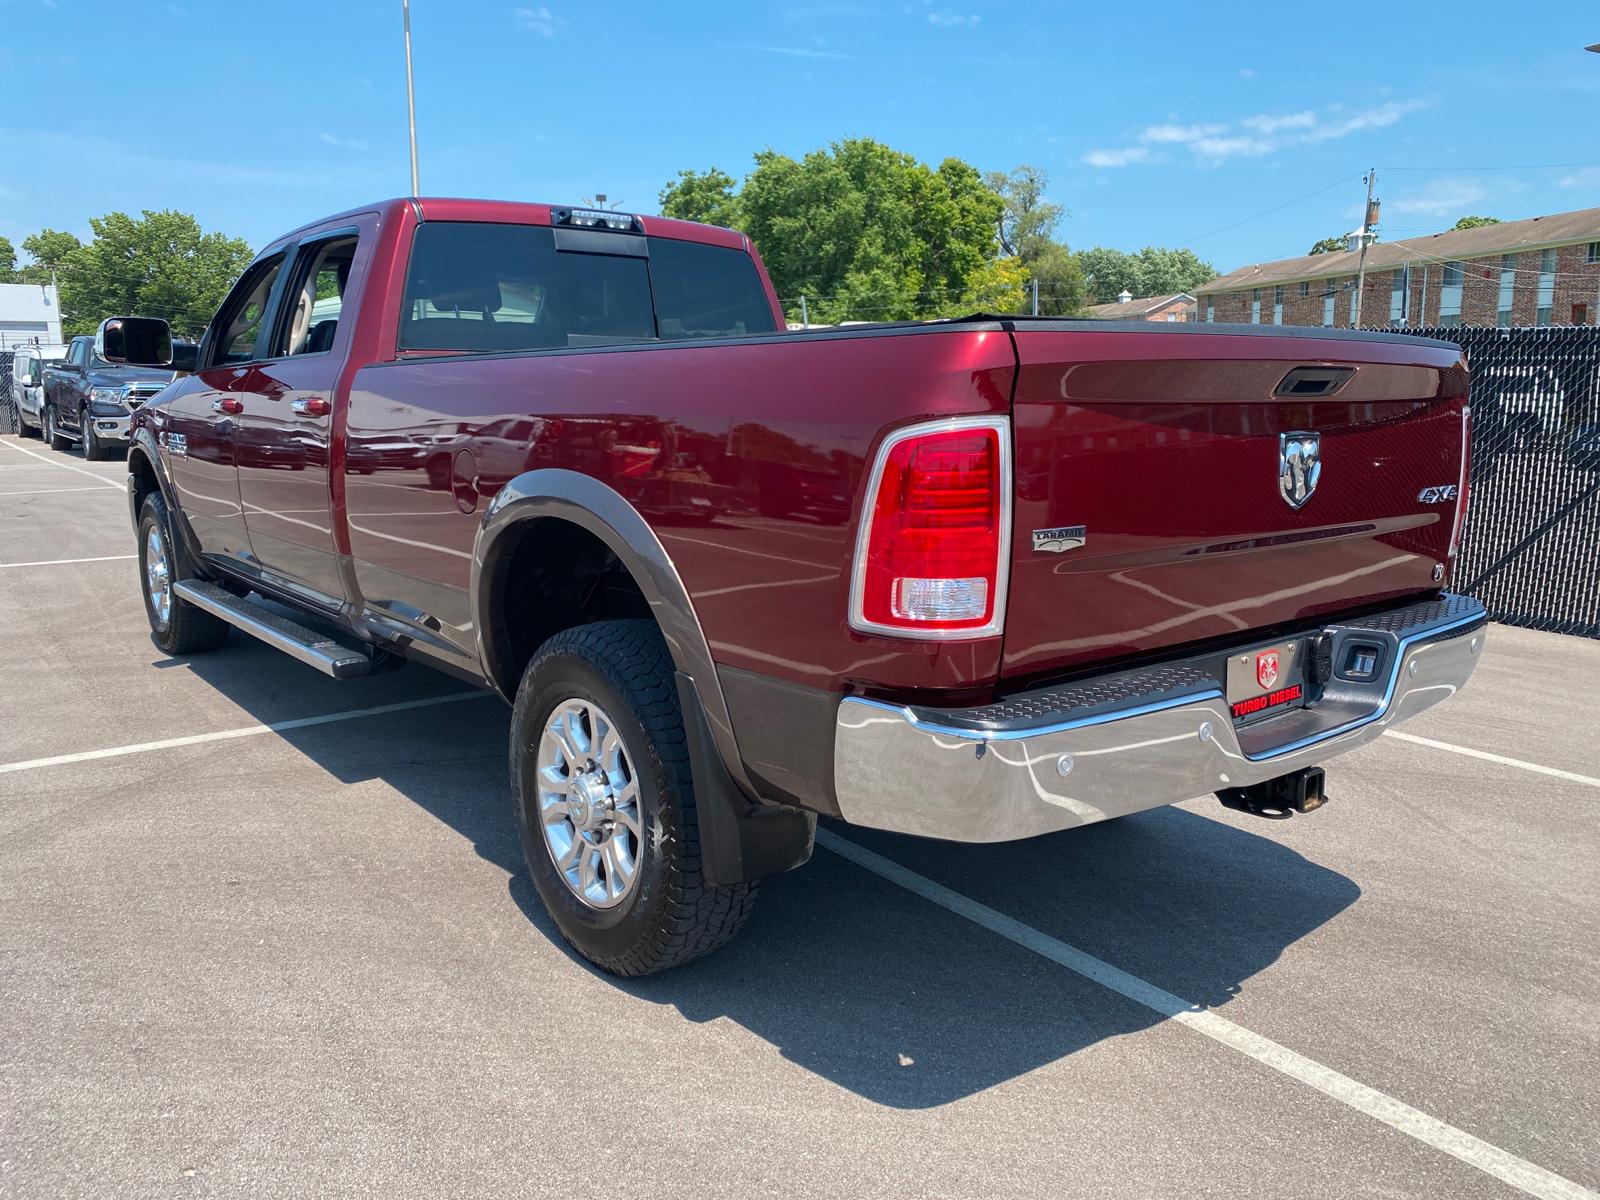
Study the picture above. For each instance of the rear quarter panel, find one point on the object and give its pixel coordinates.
(745, 457)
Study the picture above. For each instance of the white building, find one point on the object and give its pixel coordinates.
(29, 312)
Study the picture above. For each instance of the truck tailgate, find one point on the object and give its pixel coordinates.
(1167, 446)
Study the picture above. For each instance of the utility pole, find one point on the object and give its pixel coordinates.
(411, 97)
(1366, 237)
(805, 321)
(1035, 283)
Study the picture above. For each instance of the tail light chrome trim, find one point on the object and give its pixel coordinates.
(859, 622)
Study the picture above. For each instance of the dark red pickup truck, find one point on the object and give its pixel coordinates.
(974, 579)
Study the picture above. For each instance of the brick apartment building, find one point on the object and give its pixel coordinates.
(1177, 306)
(1542, 271)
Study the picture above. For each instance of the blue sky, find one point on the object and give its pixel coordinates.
(1159, 123)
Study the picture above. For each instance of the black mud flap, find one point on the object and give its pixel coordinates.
(740, 839)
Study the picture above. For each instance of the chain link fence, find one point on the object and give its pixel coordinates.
(9, 420)
(1531, 551)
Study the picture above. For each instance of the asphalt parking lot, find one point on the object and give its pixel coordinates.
(306, 960)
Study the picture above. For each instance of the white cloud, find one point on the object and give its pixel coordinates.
(1237, 146)
(1183, 134)
(539, 20)
(790, 51)
(1247, 73)
(1588, 177)
(1265, 123)
(1440, 197)
(1116, 158)
(344, 143)
(946, 19)
(1373, 118)
(1212, 142)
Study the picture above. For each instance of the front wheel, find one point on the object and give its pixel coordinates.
(176, 626)
(94, 450)
(52, 430)
(606, 806)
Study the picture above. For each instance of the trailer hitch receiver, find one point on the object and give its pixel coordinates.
(1279, 799)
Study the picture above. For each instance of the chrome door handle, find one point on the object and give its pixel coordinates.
(309, 406)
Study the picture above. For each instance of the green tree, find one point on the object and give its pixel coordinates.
(1028, 221)
(1026, 230)
(160, 264)
(49, 249)
(1163, 270)
(707, 197)
(1329, 245)
(1063, 290)
(1153, 271)
(1475, 222)
(863, 231)
(8, 261)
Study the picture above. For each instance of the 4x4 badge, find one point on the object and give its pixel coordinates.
(1299, 466)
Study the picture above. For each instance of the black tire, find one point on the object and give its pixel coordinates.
(185, 629)
(52, 430)
(26, 430)
(94, 450)
(671, 915)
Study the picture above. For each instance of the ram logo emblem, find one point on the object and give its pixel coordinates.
(1299, 466)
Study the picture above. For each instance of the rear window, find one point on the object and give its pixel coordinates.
(490, 287)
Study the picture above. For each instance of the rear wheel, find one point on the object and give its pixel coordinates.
(176, 626)
(52, 430)
(605, 803)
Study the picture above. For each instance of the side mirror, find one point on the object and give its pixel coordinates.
(184, 357)
(135, 341)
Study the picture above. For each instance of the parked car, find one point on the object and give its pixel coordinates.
(27, 386)
(1087, 568)
(90, 401)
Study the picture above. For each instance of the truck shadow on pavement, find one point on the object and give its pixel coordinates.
(855, 979)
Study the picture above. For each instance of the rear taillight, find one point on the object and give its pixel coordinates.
(1462, 482)
(931, 554)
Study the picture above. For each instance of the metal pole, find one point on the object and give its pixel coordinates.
(805, 321)
(1361, 265)
(411, 98)
(1035, 283)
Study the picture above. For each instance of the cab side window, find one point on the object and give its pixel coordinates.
(316, 297)
(239, 323)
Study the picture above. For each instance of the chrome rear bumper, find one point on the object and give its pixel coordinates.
(1033, 764)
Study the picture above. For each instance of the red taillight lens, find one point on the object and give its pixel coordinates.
(1458, 527)
(931, 556)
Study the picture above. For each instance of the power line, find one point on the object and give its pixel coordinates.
(1278, 208)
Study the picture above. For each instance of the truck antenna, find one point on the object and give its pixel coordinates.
(411, 97)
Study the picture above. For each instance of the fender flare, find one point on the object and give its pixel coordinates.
(742, 836)
(143, 443)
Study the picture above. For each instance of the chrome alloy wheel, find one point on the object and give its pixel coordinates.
(589, 804)
(158, 575)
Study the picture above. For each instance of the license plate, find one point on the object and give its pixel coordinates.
(1267, 680)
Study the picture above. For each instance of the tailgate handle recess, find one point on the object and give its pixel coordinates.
(1304, 383)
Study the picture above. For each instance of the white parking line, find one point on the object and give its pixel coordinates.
(1504, 1166)
(222, 735)
(49, 491)
(101, 479)
(62, 562)
(1570, 776)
